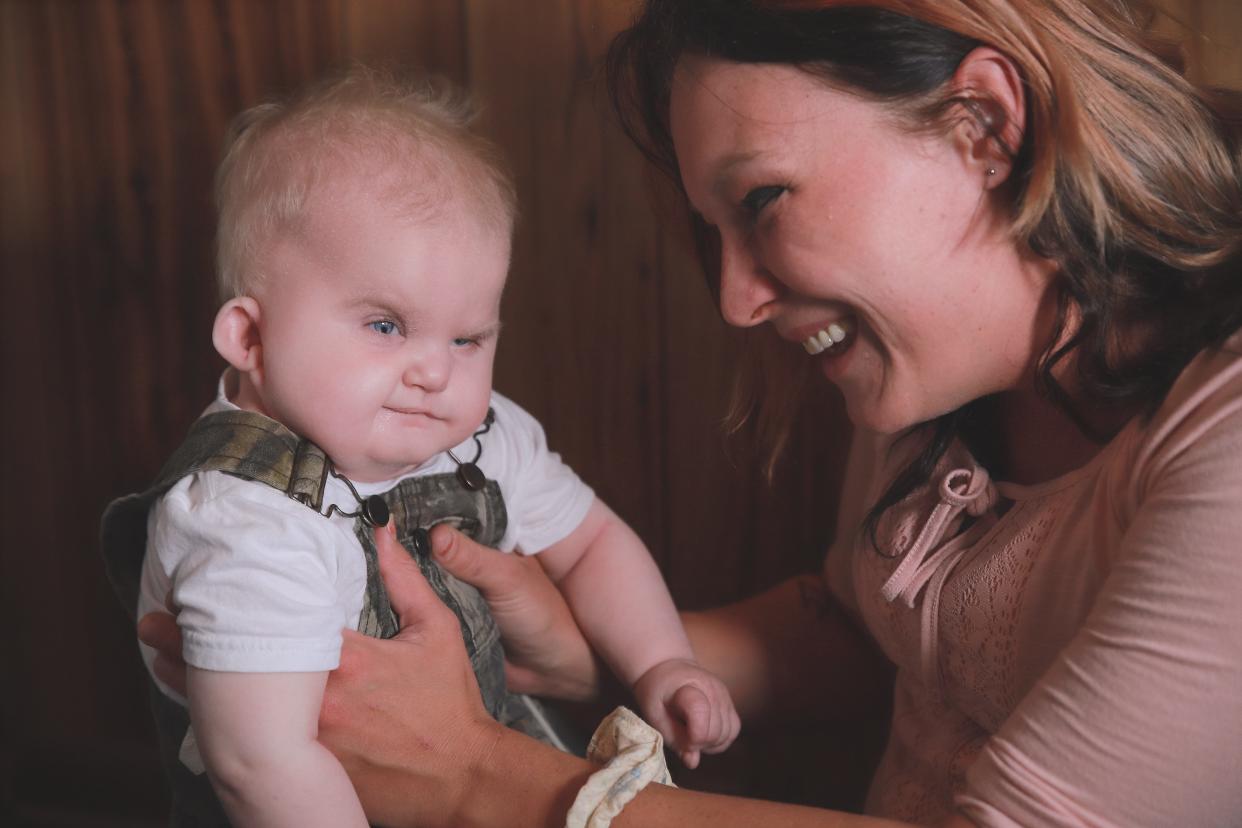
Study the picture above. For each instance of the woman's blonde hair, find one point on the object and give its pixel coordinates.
(1127, 175)
(411, 136)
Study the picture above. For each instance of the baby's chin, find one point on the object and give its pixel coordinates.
(364, 470)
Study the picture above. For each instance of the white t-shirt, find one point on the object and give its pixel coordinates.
(265, 584)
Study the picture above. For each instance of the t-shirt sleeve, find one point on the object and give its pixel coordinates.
(544, 498)
(255, 576)
(1139, 720)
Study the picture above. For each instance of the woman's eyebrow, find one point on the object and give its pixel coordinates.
(725, 166)
(735, 159)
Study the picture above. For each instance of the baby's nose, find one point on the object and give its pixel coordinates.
(428, 370)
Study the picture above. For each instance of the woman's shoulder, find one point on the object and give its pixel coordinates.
(1198, 424)
(1206, 397)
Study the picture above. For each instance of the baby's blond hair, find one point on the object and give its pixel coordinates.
(411, 137)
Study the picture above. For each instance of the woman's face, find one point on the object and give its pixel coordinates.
(836, 224)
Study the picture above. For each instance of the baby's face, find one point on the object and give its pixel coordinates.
(379, 332)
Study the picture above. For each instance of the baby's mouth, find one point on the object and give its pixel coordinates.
(411, 412)
(830, 338)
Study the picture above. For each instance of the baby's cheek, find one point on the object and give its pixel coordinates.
(474, 393)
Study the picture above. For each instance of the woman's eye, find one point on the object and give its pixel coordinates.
(760, 197)
(384, 327)
(463, 341)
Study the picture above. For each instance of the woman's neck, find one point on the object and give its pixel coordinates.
(1037, 440)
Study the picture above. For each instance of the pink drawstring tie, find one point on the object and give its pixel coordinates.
(961, 490)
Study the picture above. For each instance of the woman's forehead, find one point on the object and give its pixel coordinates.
(724, 114)
(755, 97)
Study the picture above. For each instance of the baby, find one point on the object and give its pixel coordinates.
(364, 240)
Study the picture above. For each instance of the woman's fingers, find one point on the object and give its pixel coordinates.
(473, 563)
(159, 631)
(514, 586)
(544, 649)
(412, 598)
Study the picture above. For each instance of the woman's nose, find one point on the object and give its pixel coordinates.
(427, 369)
(748, 292)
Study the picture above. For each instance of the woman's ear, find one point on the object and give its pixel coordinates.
(991, 87)
(236, 335)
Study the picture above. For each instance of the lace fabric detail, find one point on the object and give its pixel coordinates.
(944, 595)
(930, 748)
(927, 566)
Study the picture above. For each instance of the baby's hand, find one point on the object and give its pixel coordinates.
(689, 706)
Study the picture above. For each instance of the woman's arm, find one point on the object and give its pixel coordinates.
(555, 778)
(791, 651)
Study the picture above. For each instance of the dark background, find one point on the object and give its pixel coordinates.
(111, 117)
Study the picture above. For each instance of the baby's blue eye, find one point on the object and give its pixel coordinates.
(760, 197)
(384, 327)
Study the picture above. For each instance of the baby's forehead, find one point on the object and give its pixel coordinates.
(419, 178)
(362, 212)
(407, 200)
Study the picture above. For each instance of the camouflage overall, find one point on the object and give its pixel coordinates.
(254, 447)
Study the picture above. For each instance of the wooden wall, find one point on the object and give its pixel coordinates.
(111, 115)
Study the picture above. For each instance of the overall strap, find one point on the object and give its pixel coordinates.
(241, 443)
(254, 447)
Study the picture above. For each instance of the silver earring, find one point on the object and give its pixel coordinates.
(991, 171)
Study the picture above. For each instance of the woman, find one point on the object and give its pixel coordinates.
(1009, 233)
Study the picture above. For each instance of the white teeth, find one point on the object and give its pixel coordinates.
(824, 339)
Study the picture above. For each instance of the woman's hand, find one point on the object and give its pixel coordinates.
(159, 631)
(404, 715)
(545, 652)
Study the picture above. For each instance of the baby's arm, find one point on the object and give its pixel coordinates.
(624, 608)
(257, 733)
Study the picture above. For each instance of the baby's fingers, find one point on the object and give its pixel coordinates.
(692, 706)
(729, 726)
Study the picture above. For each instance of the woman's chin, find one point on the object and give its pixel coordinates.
(877, 415)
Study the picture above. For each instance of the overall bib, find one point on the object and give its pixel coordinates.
(254, 447)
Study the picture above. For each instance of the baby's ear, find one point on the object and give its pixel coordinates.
(236, 334)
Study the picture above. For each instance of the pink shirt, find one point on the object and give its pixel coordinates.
(1068, 653)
